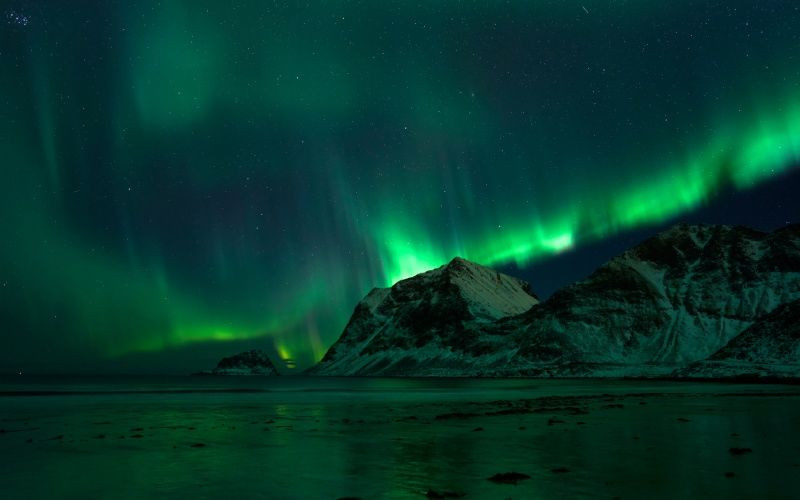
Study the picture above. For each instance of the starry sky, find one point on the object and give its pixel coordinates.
(183, 179)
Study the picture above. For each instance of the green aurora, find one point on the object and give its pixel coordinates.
(182, 173)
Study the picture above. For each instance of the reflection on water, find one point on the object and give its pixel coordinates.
(380, 438)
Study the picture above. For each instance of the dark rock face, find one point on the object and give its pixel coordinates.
(254, 362)
(508, 477)
(775, 338)
(769, 348)
(428, 324)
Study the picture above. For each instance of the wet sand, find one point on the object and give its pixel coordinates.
(719, 441)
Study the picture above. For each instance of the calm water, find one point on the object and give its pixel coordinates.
(137, 437)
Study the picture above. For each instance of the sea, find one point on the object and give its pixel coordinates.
(328, 438)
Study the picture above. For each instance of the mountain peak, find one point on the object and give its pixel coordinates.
(460, 265)
(406, 327)
(488, 293)
(457, 262)
(456, 265)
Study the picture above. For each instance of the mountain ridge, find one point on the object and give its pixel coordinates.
(672, 300)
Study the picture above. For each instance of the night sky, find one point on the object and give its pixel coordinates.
(180, 180)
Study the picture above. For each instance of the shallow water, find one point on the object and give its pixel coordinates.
(293, 437)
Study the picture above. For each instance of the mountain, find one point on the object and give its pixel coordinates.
(431, 324)
(675, 298)
(253, 362)
(768, 348)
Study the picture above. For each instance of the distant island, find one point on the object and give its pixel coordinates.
(249, 363)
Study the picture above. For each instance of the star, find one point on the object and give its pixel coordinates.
(17, 18)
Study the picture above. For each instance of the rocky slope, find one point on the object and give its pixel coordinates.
(675, 298)
(768, 348)
(253, 362)
(431, 324)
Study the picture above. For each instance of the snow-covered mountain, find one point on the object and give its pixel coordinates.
(770, 347)
(675, 298)
(430, 324)
(254, 362)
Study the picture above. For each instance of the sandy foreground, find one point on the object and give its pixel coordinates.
(632, 443)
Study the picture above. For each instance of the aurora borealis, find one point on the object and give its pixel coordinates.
(177, 175)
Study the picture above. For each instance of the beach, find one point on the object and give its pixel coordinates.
(313, 437)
